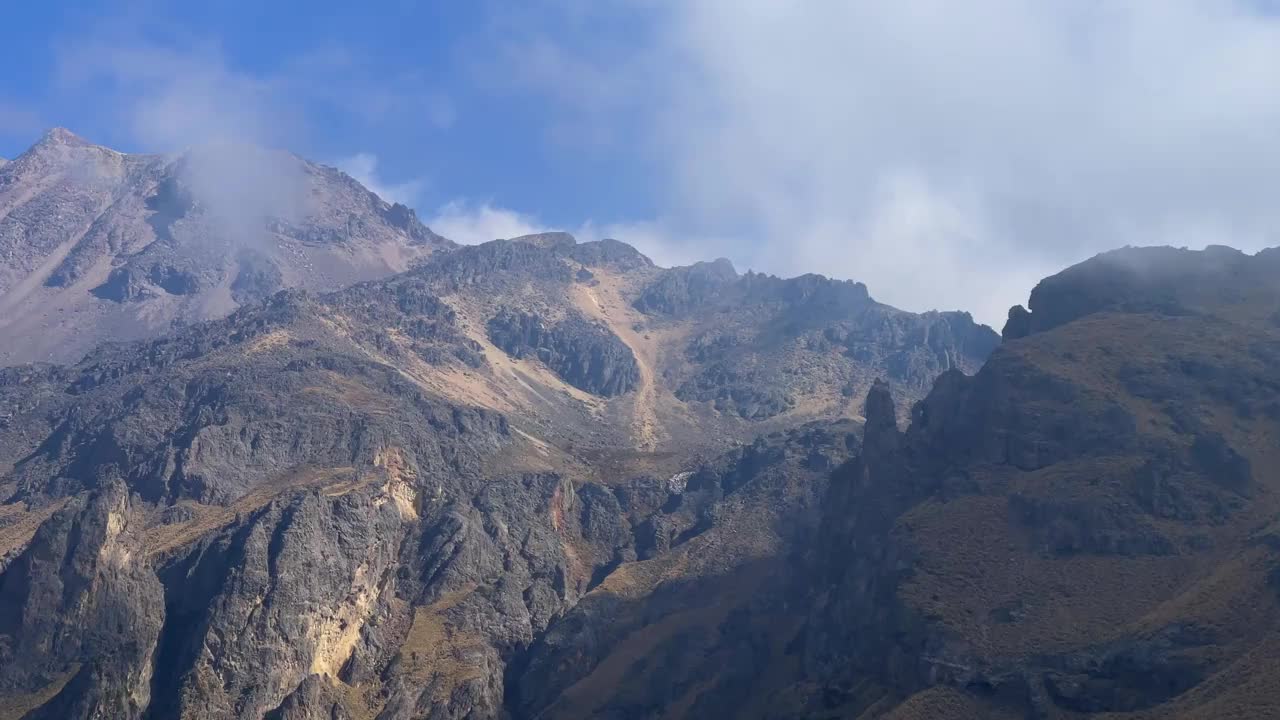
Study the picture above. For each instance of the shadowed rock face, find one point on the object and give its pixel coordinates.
(1099, 482)
(586, 355)
(82, 610)
(1159, 280)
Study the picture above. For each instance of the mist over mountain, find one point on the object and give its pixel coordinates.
(272, 448)
(100, 245)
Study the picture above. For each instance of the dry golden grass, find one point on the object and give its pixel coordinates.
(605, 303)
(18, 524)
(944, 703)
(435, 649)
(13, 707)
(161, 539)
(586, 696)
(270, 341)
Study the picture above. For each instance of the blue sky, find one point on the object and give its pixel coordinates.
(947, 158)
(423, 86)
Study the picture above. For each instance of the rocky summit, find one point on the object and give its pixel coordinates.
(334, 466)
(98, 245)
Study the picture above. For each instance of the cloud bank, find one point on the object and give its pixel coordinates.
(951, 154)
(948, 155)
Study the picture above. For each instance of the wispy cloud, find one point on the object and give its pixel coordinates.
(653, 238)
(192, 100)
(187, 95)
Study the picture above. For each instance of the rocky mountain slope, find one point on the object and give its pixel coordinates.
(537, 478)
(374, 502)
(1086, 528)
(100, 245)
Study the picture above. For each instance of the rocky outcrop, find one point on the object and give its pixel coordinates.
(349, 508)
(542, 478)
(1156, 280)
(730, 391)
(679, 290)
(585, 354)
(767, 342)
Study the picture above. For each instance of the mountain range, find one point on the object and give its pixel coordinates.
(280, 451)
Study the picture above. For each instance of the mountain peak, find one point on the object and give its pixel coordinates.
(62, 136)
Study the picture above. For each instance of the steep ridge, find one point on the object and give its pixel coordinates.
(101, 245)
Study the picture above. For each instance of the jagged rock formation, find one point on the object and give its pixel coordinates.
(100, 245)
(299, 530)
(585, 354)
(748, 336)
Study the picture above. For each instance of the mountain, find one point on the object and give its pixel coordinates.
(100, 245)
(537, 478)
(376, 500)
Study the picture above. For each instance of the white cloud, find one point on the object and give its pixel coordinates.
(364, 168)
(471, 223)
(174, 98)
(946, 154)
(651, 238)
